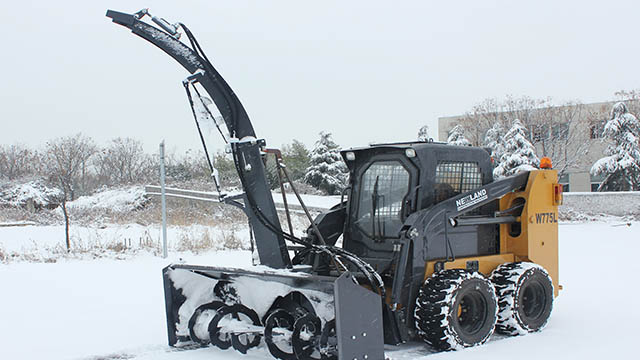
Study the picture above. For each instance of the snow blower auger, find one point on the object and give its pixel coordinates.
(433, 248)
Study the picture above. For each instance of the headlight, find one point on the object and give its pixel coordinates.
(351, 156)
(410, 152)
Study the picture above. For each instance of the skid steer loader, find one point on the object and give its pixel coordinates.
(432, 247)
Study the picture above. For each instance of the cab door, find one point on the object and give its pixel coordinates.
(383, 195)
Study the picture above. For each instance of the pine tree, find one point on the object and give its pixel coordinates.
(296, 158)
(456, 137)
(621, 166)
(327, 171)
(519, 154)
(423, 133)
(494, 139)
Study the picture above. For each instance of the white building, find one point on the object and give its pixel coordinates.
(585, 142)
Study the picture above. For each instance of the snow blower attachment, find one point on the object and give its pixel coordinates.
(433, 248)
(295, 313)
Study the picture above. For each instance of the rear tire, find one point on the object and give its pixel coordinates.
(525, 297)
(456, 309)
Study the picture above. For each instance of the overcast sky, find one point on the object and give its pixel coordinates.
(364, 70)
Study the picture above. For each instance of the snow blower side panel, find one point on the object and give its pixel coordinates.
(358, 321)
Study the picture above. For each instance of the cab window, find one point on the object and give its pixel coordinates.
(454, 178)
(384, 185)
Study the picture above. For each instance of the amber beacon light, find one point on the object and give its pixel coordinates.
(545, 163)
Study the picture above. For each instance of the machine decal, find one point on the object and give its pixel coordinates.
(472, 199)
(544, 218)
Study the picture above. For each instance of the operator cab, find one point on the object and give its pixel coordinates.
(389, 182)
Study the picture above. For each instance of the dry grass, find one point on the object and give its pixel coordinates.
(230, 241)
(220, 227)
(222, 239)
(196, 243)
(97, 247)
(42, 217)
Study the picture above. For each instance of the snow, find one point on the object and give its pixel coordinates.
(423, 134)
(621, 166)
(118, 200)
(111, 309)
(518, 154)
(311, 201)
(36, 191)
(45, 243)
(600, 205)
(171, 43)
(494, 139)
(327, 171)
(456, 137)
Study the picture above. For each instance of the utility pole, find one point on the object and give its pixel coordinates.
(164, 202)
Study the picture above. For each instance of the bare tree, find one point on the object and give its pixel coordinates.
(631, 99)
(18, 161)
(66, 159)
(490, 111)
(561, 133)
(481, 118)
(123, 161)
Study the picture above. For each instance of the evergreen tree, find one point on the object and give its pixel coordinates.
(456, 137)
(296, 158)
(423, 133)
(494, 139)
(519, 154)
(621, 166)
(327, 171)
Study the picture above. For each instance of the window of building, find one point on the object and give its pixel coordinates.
(454, 178)
(560, 131)
(596, 181)
(539, 132)
(596, 129)
(384, 187)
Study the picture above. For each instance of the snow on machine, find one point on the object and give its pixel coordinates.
(433, 248)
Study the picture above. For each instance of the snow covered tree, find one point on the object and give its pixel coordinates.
(327, 171)
(494, 139)
(456, 137)
(621, 166)
(519, 154)
(423, 133)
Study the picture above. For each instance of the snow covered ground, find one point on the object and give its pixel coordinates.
(114, 309)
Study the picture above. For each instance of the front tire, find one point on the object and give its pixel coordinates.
(456, 309)
(525, 297)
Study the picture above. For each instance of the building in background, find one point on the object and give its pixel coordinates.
(571, 135)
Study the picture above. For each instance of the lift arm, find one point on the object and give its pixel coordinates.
(244, 144)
